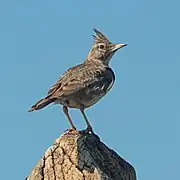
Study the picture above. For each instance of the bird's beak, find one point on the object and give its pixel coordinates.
(117, 46)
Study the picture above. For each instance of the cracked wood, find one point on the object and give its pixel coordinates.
(77, 156)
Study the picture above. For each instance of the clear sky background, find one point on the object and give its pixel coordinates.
(139, 118)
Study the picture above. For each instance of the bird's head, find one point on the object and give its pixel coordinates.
(102, 48)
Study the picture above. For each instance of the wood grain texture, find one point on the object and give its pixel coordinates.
(81, 156)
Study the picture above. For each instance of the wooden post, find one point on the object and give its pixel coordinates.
(81, 156)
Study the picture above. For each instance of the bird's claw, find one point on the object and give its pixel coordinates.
(87, 130)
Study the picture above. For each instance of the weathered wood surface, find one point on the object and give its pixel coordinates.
(77, 156)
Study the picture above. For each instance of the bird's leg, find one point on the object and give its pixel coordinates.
(89, 127)
(65, 109)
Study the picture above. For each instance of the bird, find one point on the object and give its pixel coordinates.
(85, 84)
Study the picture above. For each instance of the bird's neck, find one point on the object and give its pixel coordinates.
(96, 62)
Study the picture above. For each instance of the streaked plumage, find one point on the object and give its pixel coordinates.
(85, 84)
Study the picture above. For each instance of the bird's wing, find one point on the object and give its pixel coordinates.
(63, 81)
(103, 83)
(77, 78)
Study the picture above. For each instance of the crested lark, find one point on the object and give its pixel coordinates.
(85, 84)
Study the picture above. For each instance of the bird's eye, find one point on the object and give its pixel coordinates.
(101, 46)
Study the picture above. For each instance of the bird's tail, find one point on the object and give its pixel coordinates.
(41, 104)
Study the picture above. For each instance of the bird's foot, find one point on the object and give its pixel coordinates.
(87, 130)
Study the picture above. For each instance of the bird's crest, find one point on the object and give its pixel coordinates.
(99, 37)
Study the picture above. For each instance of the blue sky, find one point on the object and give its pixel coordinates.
(139, 118)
